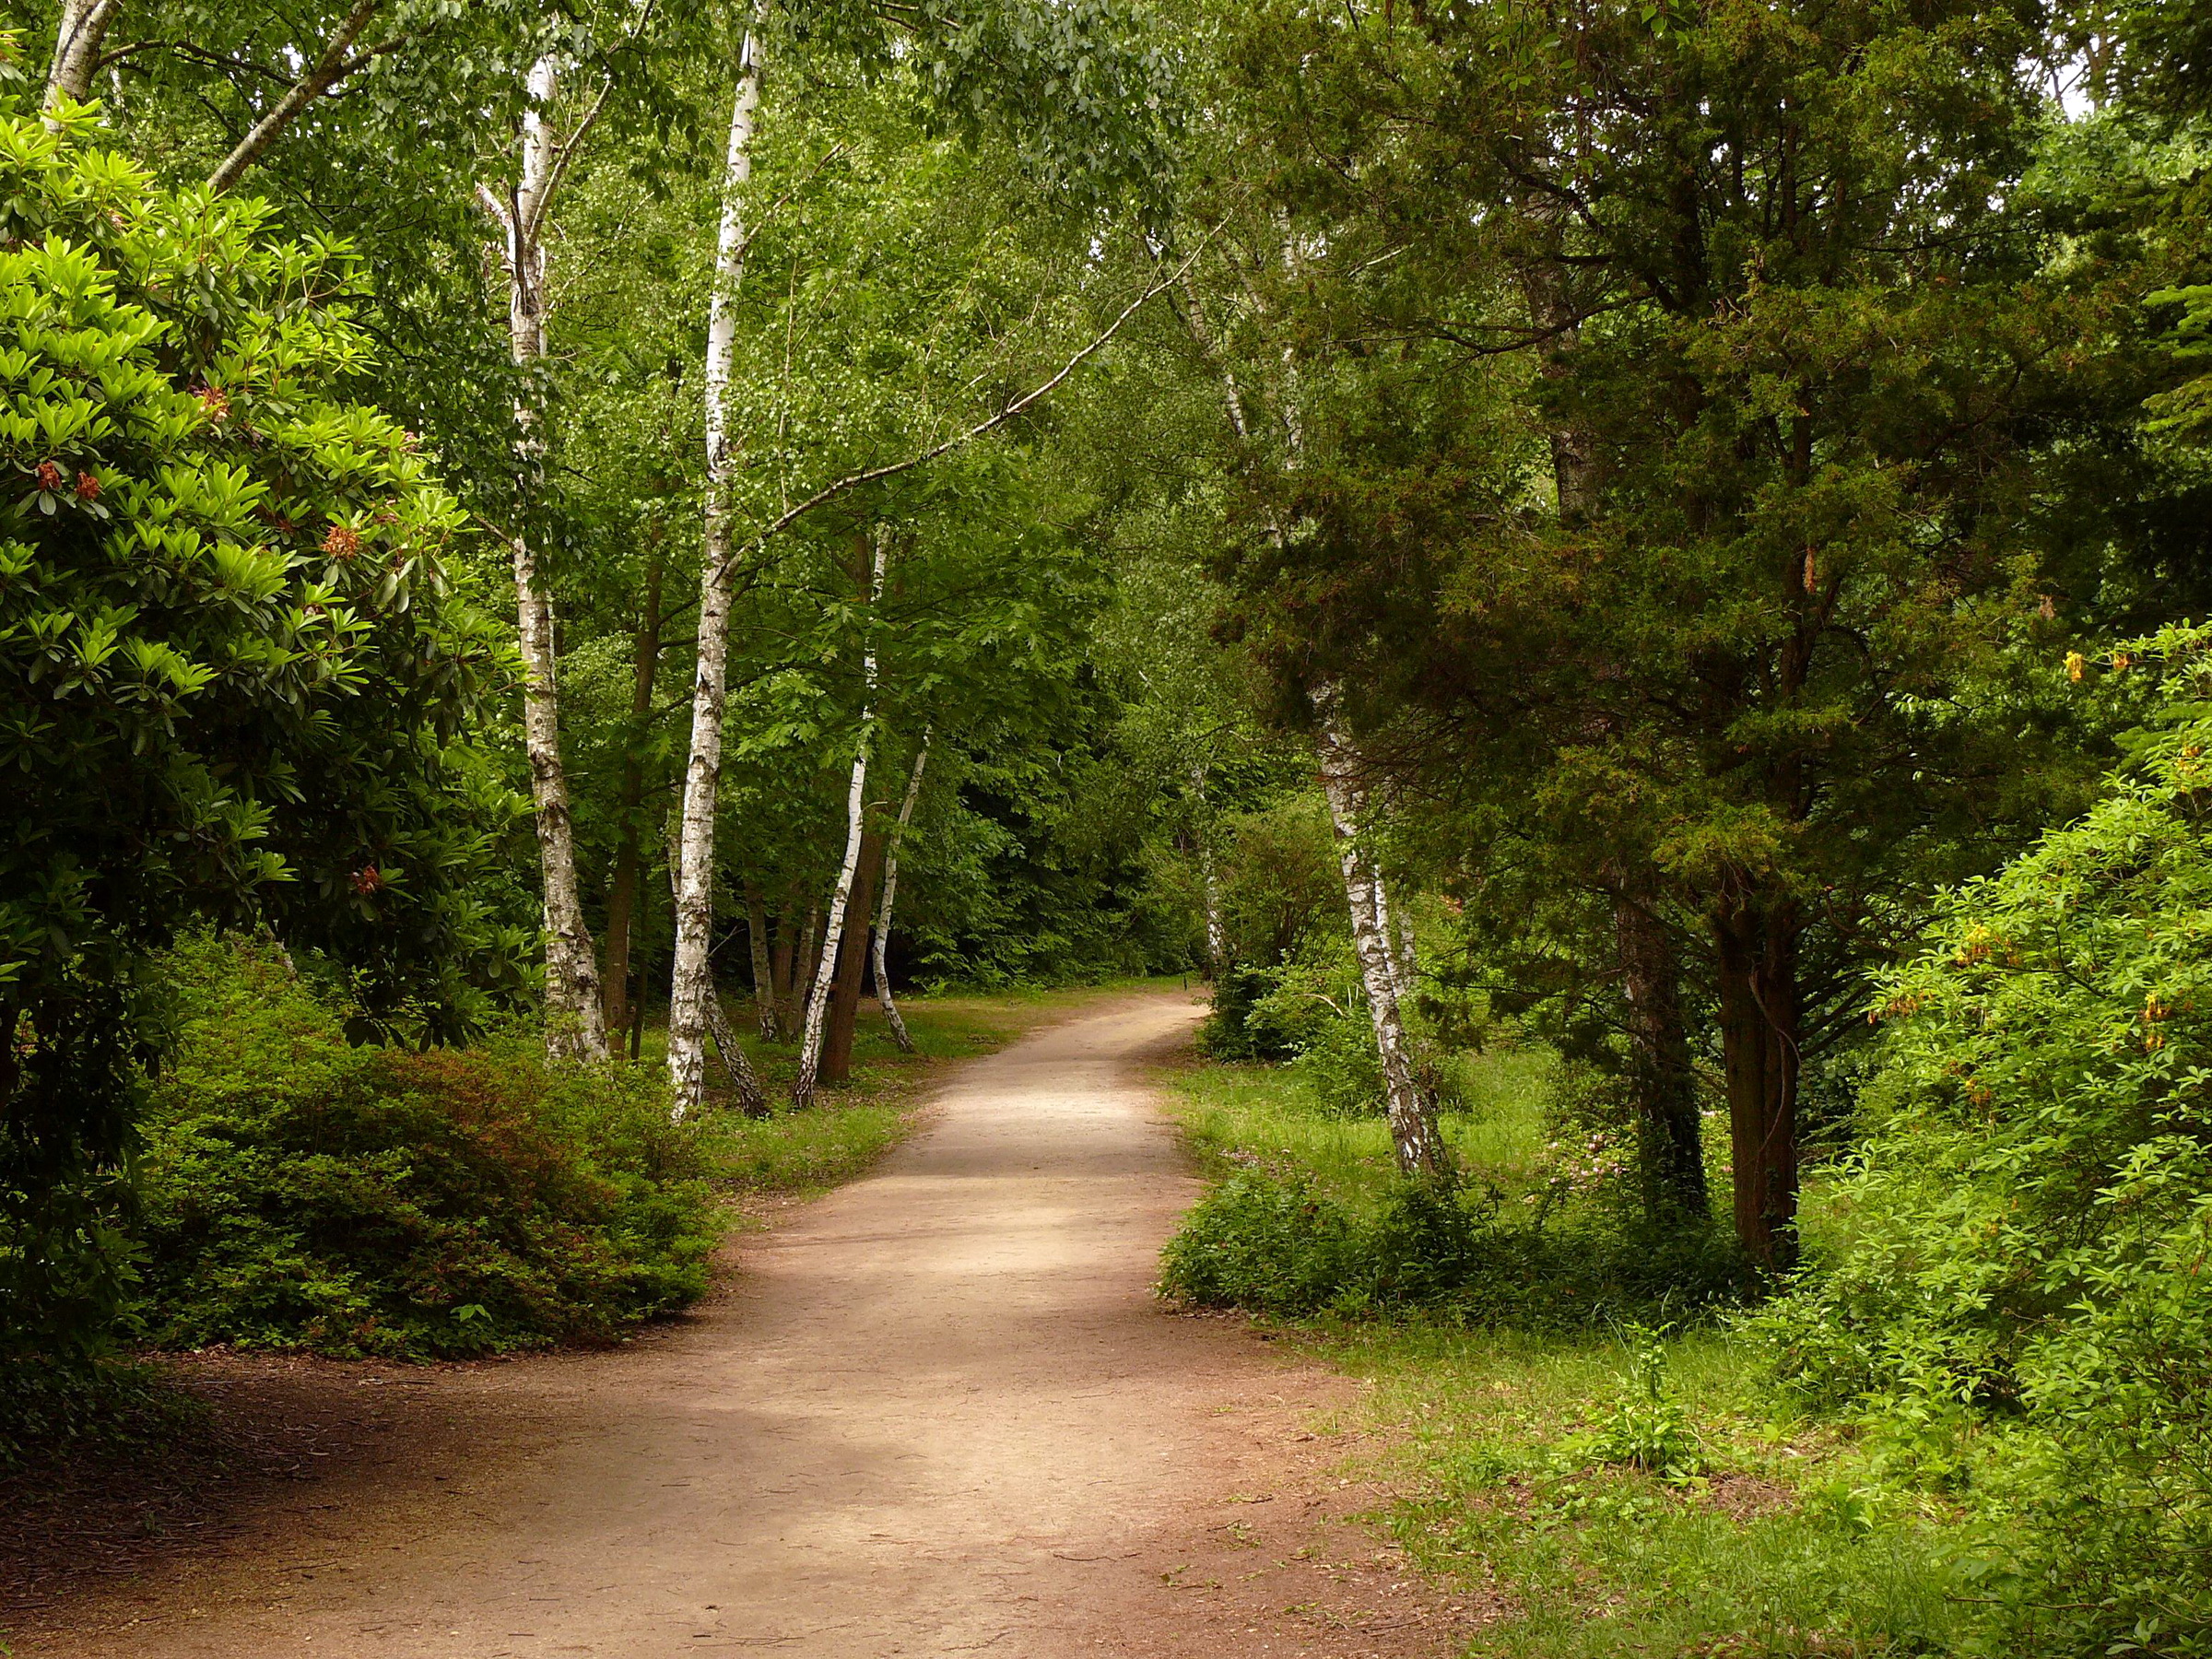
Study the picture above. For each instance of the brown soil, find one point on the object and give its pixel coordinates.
(939, 1413)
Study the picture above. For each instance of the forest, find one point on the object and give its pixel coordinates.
(591, 588)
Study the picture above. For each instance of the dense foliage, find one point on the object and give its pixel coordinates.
(2020, 1246)
(238, 674)
(301, 1192)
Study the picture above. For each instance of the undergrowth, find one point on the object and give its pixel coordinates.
(1573, 1434)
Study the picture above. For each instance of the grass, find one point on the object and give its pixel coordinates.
(1786, 1540)
(1240, 1114)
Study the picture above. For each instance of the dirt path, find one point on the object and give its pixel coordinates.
(940, 1415)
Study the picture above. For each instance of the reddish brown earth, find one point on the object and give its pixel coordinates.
(939, 1413)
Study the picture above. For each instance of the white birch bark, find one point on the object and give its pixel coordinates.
(692, 990)
(890, 890)
(1385, 964)
(1210, 877)
(77, 42)
(575, 1022)
(856, 812)
(745, 1083)
(1413, 1132)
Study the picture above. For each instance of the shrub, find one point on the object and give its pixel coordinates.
(235, 671)
(1275, 1244)
(2028, 1229)
(301, 1192)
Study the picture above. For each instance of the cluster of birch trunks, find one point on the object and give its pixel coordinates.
(808, 983)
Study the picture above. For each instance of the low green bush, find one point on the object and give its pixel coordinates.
(299, 1191)
(1277, 1244)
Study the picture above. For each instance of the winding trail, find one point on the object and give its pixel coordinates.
(941, 1414)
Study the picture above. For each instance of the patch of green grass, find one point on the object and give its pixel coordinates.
(1788, 1544)
(1269, 1117)
(1786, 1540)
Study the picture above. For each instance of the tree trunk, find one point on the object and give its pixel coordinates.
(890, 892)
(809, 965)
(1756, 942)
(1209, 879)
(841, 898)
(1670, 1153)
(575, 1020)
(622, 897)
(856, 812)
(764, 975)
(1414, 1136)
(632, 1025)
(692, 988)
(744, 1084)
(780, 967)
(851, 963)
(77, 42)
(331, 65)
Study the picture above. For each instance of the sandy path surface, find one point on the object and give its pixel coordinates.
(940, 1415)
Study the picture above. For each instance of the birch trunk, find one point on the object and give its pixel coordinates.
(891, 893)
(76, 43)
(1414, 1136)
(575, 1021)
(331, 65)
(1209, 879)
(1386, 963)
(745, 1083)
(764, 972)
(692, 990)
(852, 964)
(856, 812)
(818, 996)
(809, 963)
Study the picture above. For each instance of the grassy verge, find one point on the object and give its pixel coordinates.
(1610, 1492)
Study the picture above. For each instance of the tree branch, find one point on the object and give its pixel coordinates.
(784, 520)
(328, 70)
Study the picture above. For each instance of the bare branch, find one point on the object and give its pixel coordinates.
(1027, 400)
(568, 147)
(327, 71)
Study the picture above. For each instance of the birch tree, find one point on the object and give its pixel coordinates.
(692, 988)
(840, 896)
(575, 1016)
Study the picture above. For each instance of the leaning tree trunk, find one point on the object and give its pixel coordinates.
(890, 892)
(856, 812)
(575, 1021)
(691, 993)
(77, 42)
(1413, 1135)
(1757, 942)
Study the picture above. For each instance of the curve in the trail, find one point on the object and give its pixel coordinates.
(941, 1397)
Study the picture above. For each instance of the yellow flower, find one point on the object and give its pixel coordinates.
(2076, 664)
